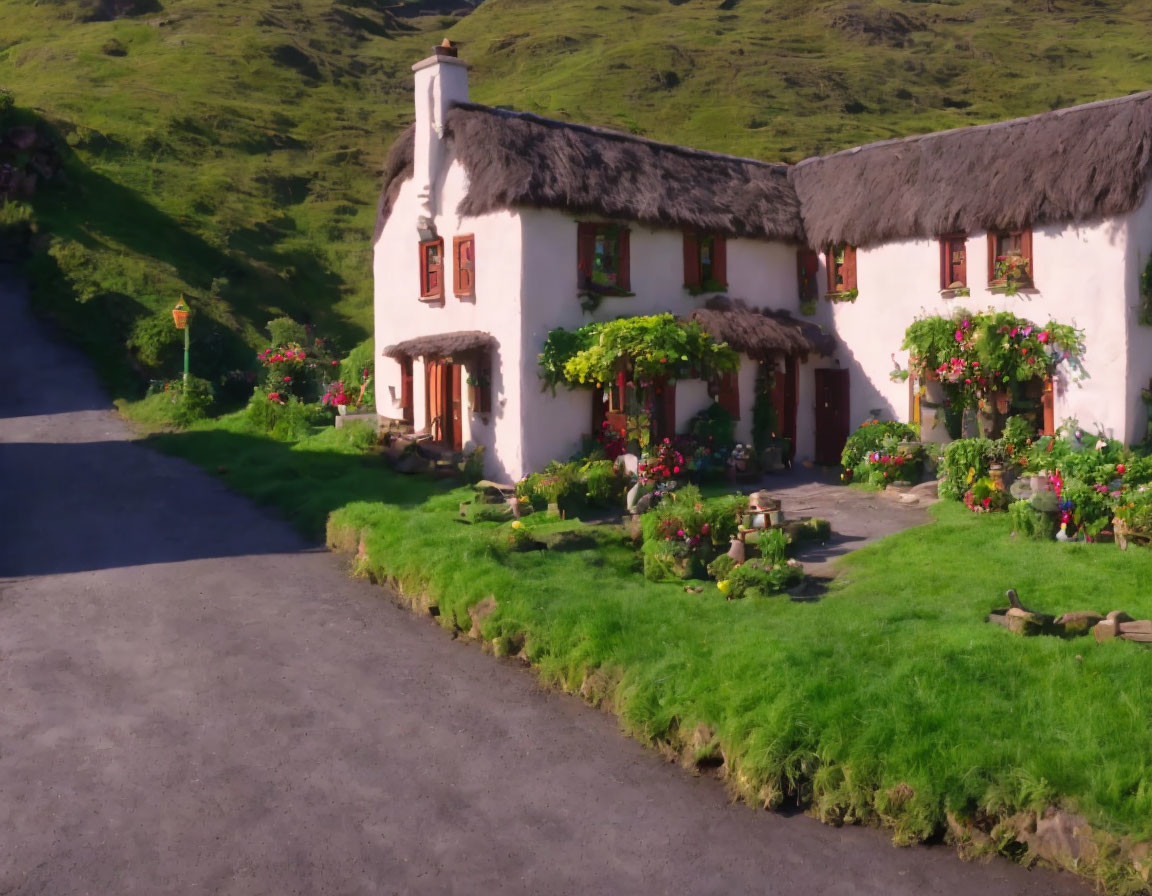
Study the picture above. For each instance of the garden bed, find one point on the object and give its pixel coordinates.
(889, 702)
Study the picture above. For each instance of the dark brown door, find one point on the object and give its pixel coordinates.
(786, 399)
(832, 414)
(444, 404)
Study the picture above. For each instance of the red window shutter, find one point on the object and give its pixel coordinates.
(1026, 251)
(585, 252)
(406, 390)
(830, 255)
(945, 263)
(691, 260)
(624, 274)
(729, 397)
(720, 260)
(849, 267)
(807, 269)
(464, 254)
(991, 256)
(666, 409)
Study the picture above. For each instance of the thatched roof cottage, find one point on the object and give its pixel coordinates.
(495, 227)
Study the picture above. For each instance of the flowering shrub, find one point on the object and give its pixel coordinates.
(336, 395)
(975, 355)
(873, 454)
(665, 463)
(683, 533)
(761, 578)
(298, 363)
(986, 497)
(1013, 270)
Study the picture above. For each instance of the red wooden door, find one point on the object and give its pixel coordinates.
(406, 403)
(832, 415)
(444, 404)
(786, 400)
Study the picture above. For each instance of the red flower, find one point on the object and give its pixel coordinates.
(334, 363)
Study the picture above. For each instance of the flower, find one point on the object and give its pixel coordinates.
(287, 379)
(335, 363)
(516, 524)
(723, 586)
(1043, 337)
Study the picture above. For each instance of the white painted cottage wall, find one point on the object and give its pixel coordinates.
(1139, 336)
(1080, 279)
(495, 309)
(762, 273)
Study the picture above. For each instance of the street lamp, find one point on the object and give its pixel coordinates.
(180, 315)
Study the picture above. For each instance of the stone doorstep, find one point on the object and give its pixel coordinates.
(342, 420)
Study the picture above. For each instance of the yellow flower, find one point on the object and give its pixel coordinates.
(971, 474)
(517, 524)
(723, 586)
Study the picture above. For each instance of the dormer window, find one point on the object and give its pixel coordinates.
(705, 262)
(603, 257)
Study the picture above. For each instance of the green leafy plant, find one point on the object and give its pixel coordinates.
(714, 425)
(964, 462)
(761, 578)
(1028, 522)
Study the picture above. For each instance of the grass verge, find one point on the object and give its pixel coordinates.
(889, 702)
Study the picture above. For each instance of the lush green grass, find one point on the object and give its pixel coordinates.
(889, 700)
(231, 152)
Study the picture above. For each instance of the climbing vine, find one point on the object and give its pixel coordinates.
(648, 348)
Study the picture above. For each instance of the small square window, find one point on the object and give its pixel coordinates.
(841, 269)
(1010, 263)
(603, 257)
(954, 261)
(432, 270)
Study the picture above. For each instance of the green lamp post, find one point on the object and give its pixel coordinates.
(180, 315)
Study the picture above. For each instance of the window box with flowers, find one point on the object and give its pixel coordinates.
(1010, 267)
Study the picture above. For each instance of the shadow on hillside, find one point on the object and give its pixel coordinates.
(77, 507)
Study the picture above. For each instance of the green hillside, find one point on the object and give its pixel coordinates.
(232, 151)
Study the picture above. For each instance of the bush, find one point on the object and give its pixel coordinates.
(713, 426)
(559, 483)
(873, 436)
(284, 330)
(156, 343)
(720, 568)
(285, 418)
(761, 578)
(964, 462)
(167, 402)
(605, 483)
(357, 370)
(683, 534)
(1029, 522)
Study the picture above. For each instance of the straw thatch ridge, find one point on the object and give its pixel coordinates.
(517, 159)
(398, 167)
(1078, 164)
(761, 334)
(441, 345)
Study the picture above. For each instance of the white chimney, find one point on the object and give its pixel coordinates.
(441, 81)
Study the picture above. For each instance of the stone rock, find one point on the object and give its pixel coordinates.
(644, 504)
(909, 499)
(1061, 837)
(926, 490)
(1046, 502)
(480, 611)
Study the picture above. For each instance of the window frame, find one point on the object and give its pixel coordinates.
(807, 275)
(694, 279)
(845, 270)
(1026, 252)
(464, 272)
(947, 242)
(587, 234)
(428, 292)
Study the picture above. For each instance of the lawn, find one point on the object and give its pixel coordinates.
(889, 701)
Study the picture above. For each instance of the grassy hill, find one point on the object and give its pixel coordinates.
(231, 151)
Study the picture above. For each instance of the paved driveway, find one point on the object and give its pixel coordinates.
(194, 700)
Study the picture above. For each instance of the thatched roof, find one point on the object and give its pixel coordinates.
(761, 334)
(1077, 164)
(517, 159)
(441, 345)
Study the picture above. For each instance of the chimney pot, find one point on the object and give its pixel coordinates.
(446, 48)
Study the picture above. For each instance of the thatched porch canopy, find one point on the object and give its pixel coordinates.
(518, 159)
(1078, 164)
(441, 345)
(762, 334)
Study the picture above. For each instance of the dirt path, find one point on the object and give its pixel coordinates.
(194, 700)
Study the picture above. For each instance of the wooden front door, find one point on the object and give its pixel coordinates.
(442, 381)
(786, 400)
(832, 415)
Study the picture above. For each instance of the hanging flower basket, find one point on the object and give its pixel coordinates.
(180, 315)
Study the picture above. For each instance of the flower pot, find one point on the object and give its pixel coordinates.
(342, 409)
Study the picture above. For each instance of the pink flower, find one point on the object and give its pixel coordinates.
(287, 379)
(959, 336)
(1014, 332)
(1043, 337)
(335, 363)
